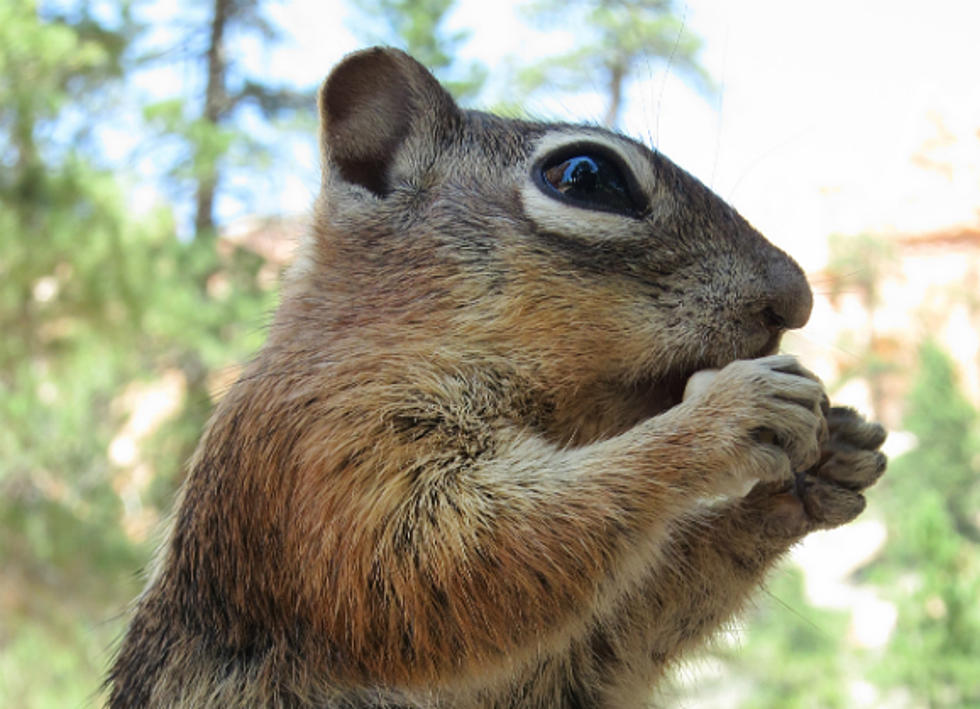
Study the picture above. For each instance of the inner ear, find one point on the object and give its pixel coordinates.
(370, 105)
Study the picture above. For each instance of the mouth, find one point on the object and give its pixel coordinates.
(666, 391)
(615, 406)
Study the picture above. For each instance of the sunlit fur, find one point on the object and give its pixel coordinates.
(459, 473)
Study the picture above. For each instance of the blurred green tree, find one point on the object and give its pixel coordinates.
(624, 35)
(792, 658)
(96, 303)
(931, 567)
(67, 292)
(206, 120)
(416, 26)
(206, 133)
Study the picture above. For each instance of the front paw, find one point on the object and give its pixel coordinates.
(850, 462)
(764, 416)
(829, 493)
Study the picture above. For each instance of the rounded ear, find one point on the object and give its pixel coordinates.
(373, 104)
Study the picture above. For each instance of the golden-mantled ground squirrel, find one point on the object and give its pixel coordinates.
(461, 472)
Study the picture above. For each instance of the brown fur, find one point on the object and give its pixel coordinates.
(460, 473)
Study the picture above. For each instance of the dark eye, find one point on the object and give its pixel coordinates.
(591, 181)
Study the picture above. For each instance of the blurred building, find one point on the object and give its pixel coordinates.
(909, 271)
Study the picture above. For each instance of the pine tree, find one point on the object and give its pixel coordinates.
(416, 26)
(624, 36)
(931, 566)
(211, 144)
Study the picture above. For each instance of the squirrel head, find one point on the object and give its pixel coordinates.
(588, 263)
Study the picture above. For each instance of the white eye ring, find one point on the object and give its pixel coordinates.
(558, 213)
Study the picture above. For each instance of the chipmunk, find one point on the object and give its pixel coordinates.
(462, 472)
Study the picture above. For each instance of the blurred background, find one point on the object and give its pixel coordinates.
(157, 163)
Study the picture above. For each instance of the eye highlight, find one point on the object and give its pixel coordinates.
(588, 178)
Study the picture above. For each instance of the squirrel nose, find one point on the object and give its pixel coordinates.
(790, 299)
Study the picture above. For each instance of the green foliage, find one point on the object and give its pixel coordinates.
(790, 657)
(45, 66)
(416, 27)
(200, 138)
(932, 568)
(92, 299)
(624, 36)
(206, 143)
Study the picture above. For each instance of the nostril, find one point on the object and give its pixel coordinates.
(773, 320)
